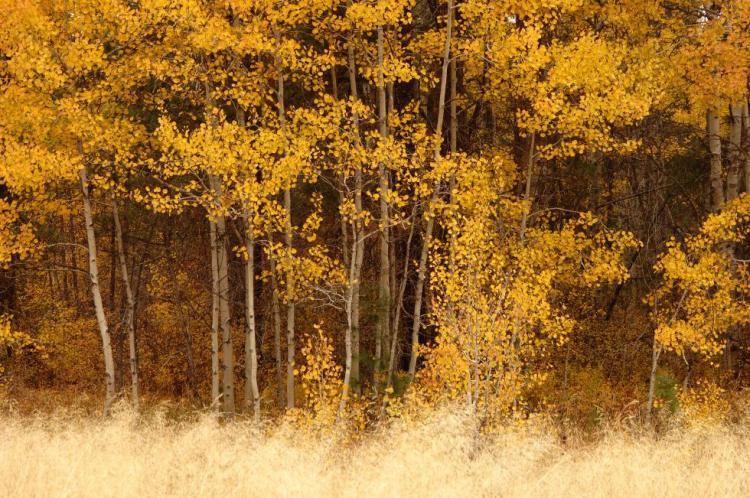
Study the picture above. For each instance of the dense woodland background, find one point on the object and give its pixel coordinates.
(368, 207)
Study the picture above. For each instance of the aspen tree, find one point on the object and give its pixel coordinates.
(222, 259)
(429, 214)
(227, 358)
(288, 240)
(384, 284)
(713, 128)
(399, 302)
(280, 384)
(236, 114)
(215, 367)
(252, 395)
(734, 168)
(101, 317)
(358, 243)
(129, 309)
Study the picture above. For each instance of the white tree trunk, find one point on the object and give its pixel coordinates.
(215, 393)
(713, 128)
(280, 387)
(398, 305)
(290, 308)
(227, 364)
(734, 168)
(430, 222)
(358, 238)
(419, 291)
(101, 318)
(384, 284)
(355, 280)
(252, 395)
(350, 315)
(130, 308)
(288, 239)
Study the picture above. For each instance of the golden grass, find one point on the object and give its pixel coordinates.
(83, 457)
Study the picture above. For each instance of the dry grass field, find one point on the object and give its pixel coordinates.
(74, 456)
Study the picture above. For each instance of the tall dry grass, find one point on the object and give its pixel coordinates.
(81, 457)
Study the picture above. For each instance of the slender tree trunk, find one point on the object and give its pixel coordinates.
(453, 136)
(714, 141)
(453, 106)
(350, 317)
(289, 240)
(430, 221)
(345, 252)
(252, 395)
(655, 353)
(227, 364)
(394, 260)
(344, 224)
(355, 280)
(215, 394)
(419, 290)
(74, 262)
(734, 169)
(290, 309)
(358, 237)
(384, 284)
(101, 318)
(222, 277)
(527, 193)
(280, 387)
(399, 305)
(225, 317)
(391, 102)
(444, 74)
(746, 144)
(129, 309)
(112, 269)
(66, 288)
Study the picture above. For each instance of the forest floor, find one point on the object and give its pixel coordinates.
(79, 456)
